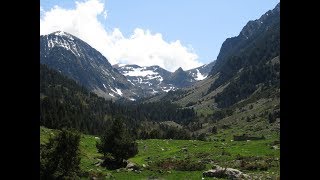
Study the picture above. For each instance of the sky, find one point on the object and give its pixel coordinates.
(168, 33)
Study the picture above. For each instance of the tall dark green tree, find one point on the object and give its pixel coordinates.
(60, 158)
(117, 143)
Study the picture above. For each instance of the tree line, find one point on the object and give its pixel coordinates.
(65, 104)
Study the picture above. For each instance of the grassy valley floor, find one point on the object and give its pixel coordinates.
(158, 158)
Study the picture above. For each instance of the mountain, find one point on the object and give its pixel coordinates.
(78, 60)
(148, 78)
(248, 37)
(180, 78)
(154, 79)
(247, 68)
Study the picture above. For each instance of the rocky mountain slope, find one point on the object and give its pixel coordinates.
(78, 60)
(248, 65)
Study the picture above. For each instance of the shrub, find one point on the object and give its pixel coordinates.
(214, 130)
(202, 137)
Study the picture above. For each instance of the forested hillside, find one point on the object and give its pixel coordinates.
(64, 103)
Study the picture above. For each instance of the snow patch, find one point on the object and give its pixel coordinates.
(118, 91)
(139, 72)
(199, 76)
(61, 33)
(68, 45)
(167, 90)
(111, 94)
(149, 77)
(131, 82)
(121, 65)
(132, 99)
(104, 86)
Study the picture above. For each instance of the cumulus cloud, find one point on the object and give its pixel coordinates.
(142, 47)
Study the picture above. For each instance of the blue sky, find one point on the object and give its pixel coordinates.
(199, 25)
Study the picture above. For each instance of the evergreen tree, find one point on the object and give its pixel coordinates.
(117, 143)
(59, 159)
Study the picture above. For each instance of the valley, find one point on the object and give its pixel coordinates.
(152, 152)
(220, 120)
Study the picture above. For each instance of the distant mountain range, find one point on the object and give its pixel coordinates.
(154, 79)
(78, 60)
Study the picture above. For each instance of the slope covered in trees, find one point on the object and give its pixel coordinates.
(63, 103)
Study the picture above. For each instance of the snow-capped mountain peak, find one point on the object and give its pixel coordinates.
(154, 79)
(149, 78)
(79, 61)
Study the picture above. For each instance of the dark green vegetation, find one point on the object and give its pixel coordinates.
(60, 157)
(116, 145)
(63, 103)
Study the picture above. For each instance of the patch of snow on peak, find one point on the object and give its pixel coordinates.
(132, 99)
(111, 94)
(139, 72)
(104, 86)
(61, 33)
(121, 65)
(167, 90)
(199, 76)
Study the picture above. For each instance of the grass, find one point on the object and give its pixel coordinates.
(154, 150)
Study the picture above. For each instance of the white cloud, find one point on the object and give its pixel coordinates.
(142, 47)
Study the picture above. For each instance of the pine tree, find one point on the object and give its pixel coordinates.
(117, 143)
(60, 158)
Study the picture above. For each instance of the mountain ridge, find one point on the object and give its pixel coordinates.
(246, 69)
(155, 79)
(84, 64)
